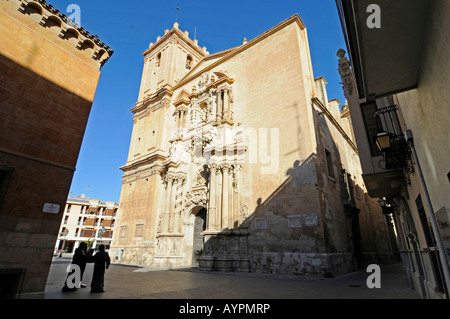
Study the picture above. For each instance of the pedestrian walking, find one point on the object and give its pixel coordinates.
(80, 258)
(101, 263)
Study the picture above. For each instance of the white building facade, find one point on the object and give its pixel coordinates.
(86, 220)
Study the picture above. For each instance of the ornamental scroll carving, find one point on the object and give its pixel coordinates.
(196, 197)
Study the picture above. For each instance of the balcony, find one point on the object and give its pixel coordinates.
(387, 158)
(391, 141)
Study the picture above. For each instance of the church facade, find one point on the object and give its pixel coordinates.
(238, 161)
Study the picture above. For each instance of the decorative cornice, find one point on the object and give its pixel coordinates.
(158, 156)
(169, 35)
(182, 99)
(69, 24)
(163, 96)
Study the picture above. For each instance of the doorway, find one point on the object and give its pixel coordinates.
(198, 240)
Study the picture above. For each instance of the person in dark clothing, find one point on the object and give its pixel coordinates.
(80, 258)
(101, 263)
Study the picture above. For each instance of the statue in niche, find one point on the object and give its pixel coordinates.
(206, 138)
(203, 80)
(211, 103)
(203, 108)
(197, 144)
(159, 227)
(199, 113)
(202, 176)
(172, 151)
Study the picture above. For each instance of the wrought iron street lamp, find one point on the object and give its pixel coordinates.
(383, 141)
(382, 202)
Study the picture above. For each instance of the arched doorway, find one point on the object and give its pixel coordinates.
(198, 239)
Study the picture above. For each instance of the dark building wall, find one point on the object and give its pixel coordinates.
(47, 88)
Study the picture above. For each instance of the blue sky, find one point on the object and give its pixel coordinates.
(129, 26)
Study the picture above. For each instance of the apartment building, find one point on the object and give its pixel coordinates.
(86, 220)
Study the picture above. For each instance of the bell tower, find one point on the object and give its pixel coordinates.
(168, 60)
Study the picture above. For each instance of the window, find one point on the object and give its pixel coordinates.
(329, 164)
(424, 221)
(189, 62)
(433, 253)
(139, 230)
(349, 185)
(123, 231)
(89, 233)
(158, 60)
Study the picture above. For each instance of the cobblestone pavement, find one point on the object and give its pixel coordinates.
(128, 282)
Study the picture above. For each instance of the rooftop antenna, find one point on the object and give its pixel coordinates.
(87, 190)
(195, 33)
(176, 18)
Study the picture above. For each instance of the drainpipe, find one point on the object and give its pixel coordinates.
(434, 224)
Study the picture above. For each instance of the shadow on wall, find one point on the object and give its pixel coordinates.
(309, 225)
(41, 129)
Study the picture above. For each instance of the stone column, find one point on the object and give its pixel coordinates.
(173, 196)
(219, 198)
(236, 195)
(165, 222)
(225, 186)
(225, 105)
(179, 222)
(219, 113)
(212, 211)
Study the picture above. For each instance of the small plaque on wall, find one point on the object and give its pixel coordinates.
(50, 208)
(311, 220)
(295, 221)
(260, 223)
